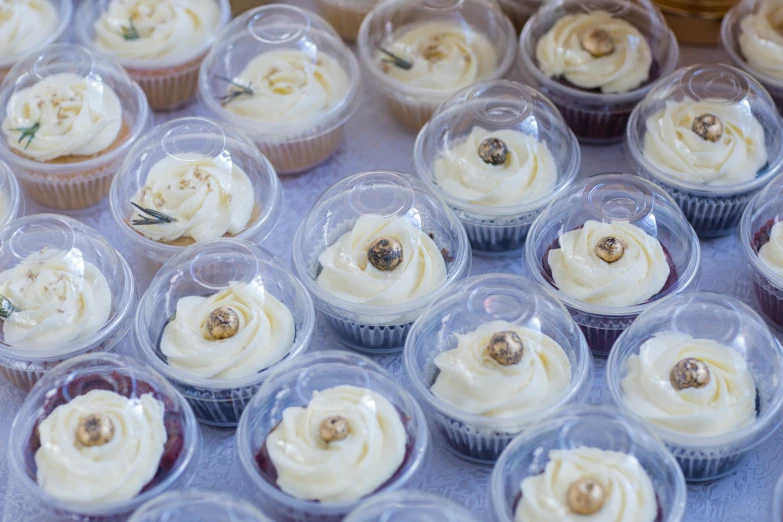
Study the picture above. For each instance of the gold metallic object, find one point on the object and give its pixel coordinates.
(506, 348)
(223, 323)
(385, 253)
(689, 373)
(95, 429)
(333, 428)
(597, 42)
(708, 127)
(585, 496)
(610, 249)
(493, 151)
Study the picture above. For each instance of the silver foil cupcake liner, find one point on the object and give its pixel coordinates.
(483, 446)
(218, 408)
(372, 339)
(601, 332)
(594, 126)
(699, 466)
(497, 236)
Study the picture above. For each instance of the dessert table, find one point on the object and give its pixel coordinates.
(376, 141)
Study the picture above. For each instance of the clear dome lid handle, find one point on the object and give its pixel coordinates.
(500, 304)
(380, 195)
(442, 5)
(618, 198)
(278, 24)
(45, 237)
(716, 83)
(600, 430)
(238, 264)
(317, 376)
(708, 316)
(82, 380)
(501, 102)
(63, 58)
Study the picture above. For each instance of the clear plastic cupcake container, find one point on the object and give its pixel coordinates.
(60, 239)
(777, 501)
(497, 106)
(185, 141)
(11, 198)
(346, 16)
(520, 11)
(724, 319)
(306, 140)
(74, 182)
(205, 269)
(469, 305)
(293, 385)
(594, 116)
(196, 505)
(590, 427)
(169, 82)
(130, 379)
(414, 105)
(713, 210)
(406, 505)
(383, 196)
(610, 198)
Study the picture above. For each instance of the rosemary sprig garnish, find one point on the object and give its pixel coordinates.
(28, 132)
(396, 60)
(239, 90)
(129, 32)
(156, 218)
(6, 308)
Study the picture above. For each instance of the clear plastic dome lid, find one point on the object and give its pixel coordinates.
(226, 267)
(278, 71)
(406, 505)
(619, 205)
(758, 220)
(52, 20)
(729, 340)
(11, 198)
(583, 432)
(710, 128)
(745, 34)
(64, 289)
(72, 381)
(198, 506)
(192, 180)
(503, 132)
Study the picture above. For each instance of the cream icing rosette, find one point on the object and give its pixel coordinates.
(207, 197)
(672, 146)
(560, 53)
(60, 298)
(348, 274)
(771, 252)
(725, 404)
(155, 29)
(111, 472)
(63, 115)
(639, 274)
(529, 173)
(471, 380)
(444, 56)
(761, 39)
(287, 85)
(264, 336)
(629, 492)
(25, 24)
(344, 470)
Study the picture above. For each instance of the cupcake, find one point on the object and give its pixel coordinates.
(711, 137)
(193, 180)
(375, 250)
(608, 248)
(701, 371)
(493, 356)
(587, 463)
(11, 198)
(283, 76)
(409, 505)
(346, 16)
(777, 500)
(68, 117)
(217, 319)
(497, 152)
(196, 505)
(64, 291)
(750, 35)
(161, 43)
(420, 53)
(100, 435)
(597, 61)
(323, 433)
(520, 11)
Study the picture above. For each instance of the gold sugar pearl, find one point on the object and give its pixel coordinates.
(223, 323)
(598, 42)
(385, 253)
(689, 373)
(585, 496)
(95, 429)
(506, 348)
(493, 151)
(333, 428)
(610, 249)
(708, 127)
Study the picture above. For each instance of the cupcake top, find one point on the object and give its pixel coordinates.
(100, 447)
(760, 39)
(343, 445)
(595, 51)
(25, 24)
(500, 369)
(588, 482)
(690, 386)
(234, 333)
(771, 252)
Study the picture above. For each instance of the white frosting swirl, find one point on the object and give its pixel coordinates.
(630, 496)
(25, 24)
(265, 334)
(445, 56)
(636, 277)
(529, 174)
(347, 274)
(726, 404)
(560, 53)
(208, 197)
(61, 298)
(761, 38)
(288, 85)
(341, 470)
(112, 472)
(671, 145)
(155, 29)
(71, 116)
(771, 252)
(474, 382)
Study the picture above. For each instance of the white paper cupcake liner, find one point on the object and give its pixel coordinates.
(299, 155)
(73, 192)
(483, 446)
(370, 338)
(169, 88)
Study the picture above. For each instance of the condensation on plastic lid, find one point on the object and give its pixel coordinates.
(193, 139)
(59, 59)
(501, 102)
(238, 263)
(706, 316)
(379, 195)
(442, 5)
(278, 24)
(45, 236)
(618, 198)
(593, 431)
(716, 84)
